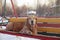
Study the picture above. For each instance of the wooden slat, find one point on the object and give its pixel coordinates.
(31, 36)
(48, 25)
(17, 19)
(49, 30)
(49, 20)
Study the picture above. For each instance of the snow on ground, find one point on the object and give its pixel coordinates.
(11, 37)
(4, 20)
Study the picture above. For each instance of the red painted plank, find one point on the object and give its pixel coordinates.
(48, 25)
(49, 17)
(30, 36)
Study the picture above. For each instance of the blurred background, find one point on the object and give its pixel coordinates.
(44, 8)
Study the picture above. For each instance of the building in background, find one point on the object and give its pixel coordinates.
(0, 7)
(43, 8)
(57, 8)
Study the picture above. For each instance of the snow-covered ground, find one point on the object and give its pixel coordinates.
(11, 37)
(4, 20)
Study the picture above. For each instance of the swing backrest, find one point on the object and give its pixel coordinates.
(18, 19)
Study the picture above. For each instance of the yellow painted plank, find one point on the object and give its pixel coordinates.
(49, 30)
(49, 20)
(17, 20)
